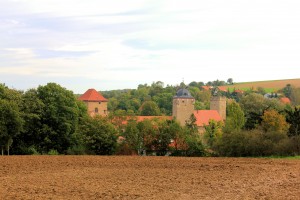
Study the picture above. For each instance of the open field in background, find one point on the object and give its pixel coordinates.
(103, 177)
(269, 86)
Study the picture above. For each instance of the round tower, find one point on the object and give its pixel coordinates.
(183, 106)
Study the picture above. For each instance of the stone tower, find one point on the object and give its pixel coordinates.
(183, 106)
(218, 103)
(96, 103)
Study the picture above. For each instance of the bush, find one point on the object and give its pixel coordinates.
(256, 143)
(77, 150)
(53, 152)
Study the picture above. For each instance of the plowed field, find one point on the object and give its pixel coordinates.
(100, 177)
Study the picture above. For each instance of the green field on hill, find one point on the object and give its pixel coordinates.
(269, 86)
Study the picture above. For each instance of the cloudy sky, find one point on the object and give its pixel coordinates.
(119, 44)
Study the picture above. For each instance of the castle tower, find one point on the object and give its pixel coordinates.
(96, 103)
(218, 103)
(183, 106)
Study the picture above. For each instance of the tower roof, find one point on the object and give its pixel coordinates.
(183, 93)
(92, 95)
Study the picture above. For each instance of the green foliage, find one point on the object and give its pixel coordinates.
(10, 123)
(293, 118)
(59, 119)
(254, 106)
(255, 142)
(99, 136)
(194, 146)
(149, 108)
(133, 137)
(53, 152)
(235, 119)
(166, 131)
(213, 132)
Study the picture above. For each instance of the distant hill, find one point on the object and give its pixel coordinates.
(269, 86)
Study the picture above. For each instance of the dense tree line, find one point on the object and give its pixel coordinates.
(50, 120)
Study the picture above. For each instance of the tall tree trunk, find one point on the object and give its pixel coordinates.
(2, 150)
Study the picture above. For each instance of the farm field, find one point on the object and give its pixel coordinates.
(125, 177)
(270, 86)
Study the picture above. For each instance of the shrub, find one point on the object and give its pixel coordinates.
(53, 152)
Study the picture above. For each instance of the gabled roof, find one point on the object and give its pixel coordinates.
(206, 87)
(92, 95)
(285, 100)
(203, 116)
(239, 91)
(222, 88)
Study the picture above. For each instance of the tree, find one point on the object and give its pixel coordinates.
(59, 118)
(235, 119)
(192, 138)
(10, 123)
(213, 132)
(253, 106)
(164, 102)
(100, 136)
(293, 118)
(133, 137)
(273, 121)
(149, 108)
(230, 81)
(28, 141)
(287, 90)
(166, 132)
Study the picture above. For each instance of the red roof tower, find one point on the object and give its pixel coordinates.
(92, 95)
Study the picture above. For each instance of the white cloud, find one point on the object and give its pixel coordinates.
(132, 42)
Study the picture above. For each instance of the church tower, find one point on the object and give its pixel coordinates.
(183, 106)
(218, 103)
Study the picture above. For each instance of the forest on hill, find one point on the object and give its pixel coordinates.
(50, 119)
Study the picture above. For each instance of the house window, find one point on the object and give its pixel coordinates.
(96, 110)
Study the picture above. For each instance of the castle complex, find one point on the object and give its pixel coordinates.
(183, 107)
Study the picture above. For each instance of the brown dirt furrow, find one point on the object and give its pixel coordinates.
(103, 177)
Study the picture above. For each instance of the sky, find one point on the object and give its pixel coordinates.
(120, 44)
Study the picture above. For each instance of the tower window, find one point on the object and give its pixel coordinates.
(96, 110)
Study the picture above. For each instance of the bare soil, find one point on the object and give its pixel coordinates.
(133, 177)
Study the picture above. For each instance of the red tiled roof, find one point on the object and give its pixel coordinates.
(203, 116)
(239, 91)
(205, 87)
(92, 95)
(285, 100)
(222, 88)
